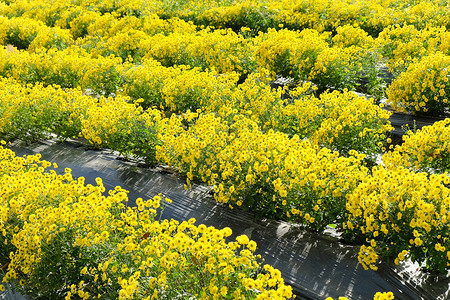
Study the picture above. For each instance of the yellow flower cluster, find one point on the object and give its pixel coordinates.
(338, 121)
(26, 33)
(290, 53)
(117, 124)
(177, 89)
(221, 50)
(34, 112)
(424, 87)
(75, 68)
(337, 67)
(120, 125)
(401, 212)
(320, 15)
(263, 171)
(349, 35)
(384, 296)
(103, 249)
(426, 150)
(128, 36)
(310, 55)
(249, 15)
(401, 45)
(373, 16)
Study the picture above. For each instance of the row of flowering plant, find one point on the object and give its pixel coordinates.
(31, 113)
(76, 68)
(327, 62)
(401, 45)
(338, 121)
(424, 150)
(62, 238)
(424, 87)
(401, 213)
(26, 33)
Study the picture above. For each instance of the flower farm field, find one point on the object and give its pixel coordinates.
(187, 85)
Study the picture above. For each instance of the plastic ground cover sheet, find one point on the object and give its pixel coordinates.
(316, 266)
